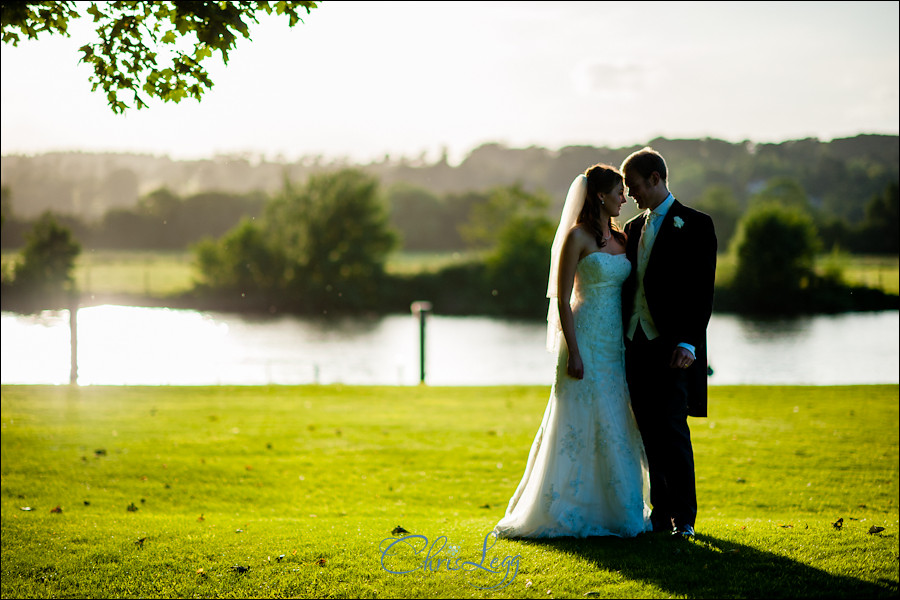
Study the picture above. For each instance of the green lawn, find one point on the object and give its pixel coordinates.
(300, 486)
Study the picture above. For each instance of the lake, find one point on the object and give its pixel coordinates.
(125, 345)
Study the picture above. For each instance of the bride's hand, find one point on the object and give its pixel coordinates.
(574, 367)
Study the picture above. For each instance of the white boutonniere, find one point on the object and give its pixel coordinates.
(679, 222)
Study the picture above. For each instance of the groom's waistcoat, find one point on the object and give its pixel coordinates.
(641, 317)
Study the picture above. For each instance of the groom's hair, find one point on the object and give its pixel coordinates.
(645, 161)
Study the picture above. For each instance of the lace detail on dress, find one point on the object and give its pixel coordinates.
(572, 443)
(586, 472)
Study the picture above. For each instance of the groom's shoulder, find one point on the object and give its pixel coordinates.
(636, 217)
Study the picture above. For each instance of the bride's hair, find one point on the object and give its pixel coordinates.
(601, 179)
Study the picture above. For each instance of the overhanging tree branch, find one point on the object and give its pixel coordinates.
(151, 48)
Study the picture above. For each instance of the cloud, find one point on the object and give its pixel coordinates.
(607, 80)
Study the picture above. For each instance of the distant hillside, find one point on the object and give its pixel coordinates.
(840, 175)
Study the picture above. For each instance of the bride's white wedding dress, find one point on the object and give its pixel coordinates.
(586, 473)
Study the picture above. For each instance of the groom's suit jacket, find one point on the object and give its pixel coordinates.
(678, 284)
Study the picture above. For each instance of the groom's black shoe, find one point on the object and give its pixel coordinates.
(685, 531)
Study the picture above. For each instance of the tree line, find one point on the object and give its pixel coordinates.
(321, 246)
(428, 221)
(836, 180)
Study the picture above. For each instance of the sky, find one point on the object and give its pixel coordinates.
(364, 80)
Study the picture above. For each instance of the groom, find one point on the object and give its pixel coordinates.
(666, 304)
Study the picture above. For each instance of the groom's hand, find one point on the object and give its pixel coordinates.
(574, 367)
(681, 358)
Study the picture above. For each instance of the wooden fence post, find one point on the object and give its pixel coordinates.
(73, 338)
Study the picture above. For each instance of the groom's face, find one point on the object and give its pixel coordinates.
(643, 190)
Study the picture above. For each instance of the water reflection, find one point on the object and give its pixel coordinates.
(773, 329)
(120, 345)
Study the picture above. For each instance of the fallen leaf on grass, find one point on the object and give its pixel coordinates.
(875, 529)
(201, 572)
(132, 508)
(58, 509)
(200, 518)
(321, 562)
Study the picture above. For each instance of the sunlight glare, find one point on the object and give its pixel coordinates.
(117, 345)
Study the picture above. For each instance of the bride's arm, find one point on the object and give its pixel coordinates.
(571, 253)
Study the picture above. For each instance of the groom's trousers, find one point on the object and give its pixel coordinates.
(659, 398)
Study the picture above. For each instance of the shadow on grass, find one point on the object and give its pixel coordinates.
(707, 567)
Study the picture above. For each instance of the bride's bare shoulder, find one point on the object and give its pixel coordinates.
(578, 233)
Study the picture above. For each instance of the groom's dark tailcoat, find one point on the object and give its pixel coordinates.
(678, 285)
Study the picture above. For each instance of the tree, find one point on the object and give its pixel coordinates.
(514, 224)
(336, 235)
(718, 202)
(784, 191)
(48, 260)
(518, 266)
(880, 232)
(131, 33)
(321, 246)
(504, 203)
(776, 249)
(243, 261)
(419, 216)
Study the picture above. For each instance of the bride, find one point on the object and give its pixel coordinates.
(586, 473)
